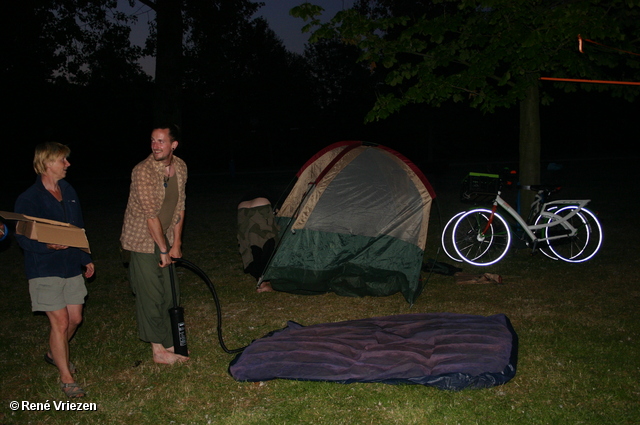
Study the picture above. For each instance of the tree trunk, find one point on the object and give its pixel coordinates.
(529, 143)
(168, 97)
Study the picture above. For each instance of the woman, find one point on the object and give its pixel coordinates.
(55, 271)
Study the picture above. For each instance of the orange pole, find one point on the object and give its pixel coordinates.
(580, 39)
(575, 80)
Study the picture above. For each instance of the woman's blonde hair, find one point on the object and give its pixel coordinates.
(48, 152)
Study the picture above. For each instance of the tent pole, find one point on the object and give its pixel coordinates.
(312, 185)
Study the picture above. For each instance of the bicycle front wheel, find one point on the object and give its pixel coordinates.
(447, 238)
(584, 244)
(481, 238)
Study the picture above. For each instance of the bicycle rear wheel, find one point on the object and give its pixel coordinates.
(480, 240)
(447, 238)
(584, 244)
(543, 247)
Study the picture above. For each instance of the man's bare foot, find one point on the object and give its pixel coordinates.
(173, 350)
(163, 355)
(265, 287)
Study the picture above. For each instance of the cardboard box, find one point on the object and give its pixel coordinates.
(48, 231)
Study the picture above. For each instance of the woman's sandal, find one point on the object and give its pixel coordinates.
(49, 359)
(73, 390)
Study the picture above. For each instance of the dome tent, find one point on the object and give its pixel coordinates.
(355, 223)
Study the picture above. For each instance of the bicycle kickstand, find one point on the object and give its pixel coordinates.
(534, 247)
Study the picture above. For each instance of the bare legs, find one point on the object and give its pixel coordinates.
(64, 323)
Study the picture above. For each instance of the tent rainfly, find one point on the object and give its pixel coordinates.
(355, 223)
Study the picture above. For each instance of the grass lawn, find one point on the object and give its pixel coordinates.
(578, 324)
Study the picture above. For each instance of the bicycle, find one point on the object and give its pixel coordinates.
(562, 229)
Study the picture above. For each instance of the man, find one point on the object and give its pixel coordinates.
(257, 234)
(152, 232)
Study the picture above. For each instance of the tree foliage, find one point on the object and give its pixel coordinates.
(488, 54)
(236, 76)
(484, 52)
(68, 69)
(339, 79)
(78, 41)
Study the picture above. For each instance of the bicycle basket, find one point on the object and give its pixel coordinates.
(479, 188)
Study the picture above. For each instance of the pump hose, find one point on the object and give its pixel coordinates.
(189, 265)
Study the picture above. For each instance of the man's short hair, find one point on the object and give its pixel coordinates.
(174, 130)
(48, 152)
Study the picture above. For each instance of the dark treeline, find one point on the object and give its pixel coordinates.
(71, 75)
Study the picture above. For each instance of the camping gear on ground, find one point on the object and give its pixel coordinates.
(176, 314)
(355, 223)
(444, 350)
(474, 278)
(432, 266)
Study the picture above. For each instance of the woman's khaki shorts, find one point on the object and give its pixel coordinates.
(54, 293)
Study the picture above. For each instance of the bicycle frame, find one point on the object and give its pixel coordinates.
(544, 212)
(482, 236)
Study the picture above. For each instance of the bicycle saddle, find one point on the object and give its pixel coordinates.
(548, 188)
